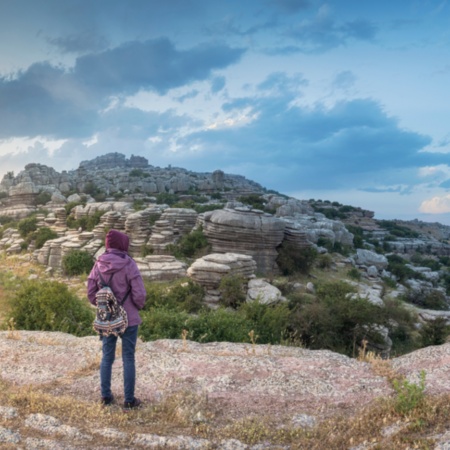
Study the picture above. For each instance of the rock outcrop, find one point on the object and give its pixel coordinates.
(209, 271)
(245, 231)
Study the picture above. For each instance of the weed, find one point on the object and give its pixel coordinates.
(12, 332)
(409, 395)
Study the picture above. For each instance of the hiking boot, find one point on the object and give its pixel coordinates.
(106, 401)
(136, 403)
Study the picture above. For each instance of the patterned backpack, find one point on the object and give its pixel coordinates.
(111, 317)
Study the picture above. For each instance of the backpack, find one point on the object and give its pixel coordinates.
(111, 318)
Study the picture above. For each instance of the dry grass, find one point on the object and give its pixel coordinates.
(185, 413)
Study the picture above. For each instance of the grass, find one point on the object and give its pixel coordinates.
(186, 413)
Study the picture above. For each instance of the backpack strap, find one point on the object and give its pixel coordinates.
(102, 281)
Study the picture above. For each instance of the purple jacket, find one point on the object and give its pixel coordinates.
(126, 275)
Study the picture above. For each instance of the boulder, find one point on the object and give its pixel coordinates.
(368, 258)
(263, 292)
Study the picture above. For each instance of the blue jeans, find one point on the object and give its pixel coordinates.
(129, 339)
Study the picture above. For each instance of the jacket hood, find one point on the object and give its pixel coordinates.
(112, 261)
(117, 240)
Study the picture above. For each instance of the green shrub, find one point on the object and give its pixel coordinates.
(409, 395)
(208, 326)
(50, 306)
(43, 197)
(291, 260)
(221, 325)
(190, 245)
(162, 323)
(232, 290)
(270, 322)
(397, 266)
(185, 296)
(433, 299)
(77, 262)
(435, 332)
(166, 198)
(27, 226)
(254, 200)
(401, 324)
(354, 273)
(324, 261)
(335, 321)
(43, 235)
(69, 206)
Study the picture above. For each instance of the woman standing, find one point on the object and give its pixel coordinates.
(126, 279)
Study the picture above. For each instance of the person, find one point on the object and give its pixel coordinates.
(126, 277)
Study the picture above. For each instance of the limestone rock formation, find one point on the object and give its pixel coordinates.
(244, 231)
(209, 271)
(368, 258)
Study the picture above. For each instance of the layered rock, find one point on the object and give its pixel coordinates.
(209, 271)
(172, 225)
(161, 268)
(244, 231)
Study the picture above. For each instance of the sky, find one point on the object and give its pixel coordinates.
(340, 100)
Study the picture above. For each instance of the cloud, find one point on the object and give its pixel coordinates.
(154, 65)
(83, 42)
(436, 205)
(344, 80)
(348, 144)
(54, 101)
(323, 33)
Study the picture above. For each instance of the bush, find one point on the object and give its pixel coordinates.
(43, 197)
(190, 245)
(291, 260)
(401, 324)
(209, 326)
(166, 198)
(433, 299)
(254, 200)
(27, 226)
(162, 323)
(50, 306)
(185, 296)
(354, 273)
(335, 321)
(43, 235)
(435, 332)
(232, 290)
(77, 262)
(221, 325)
(270, 322)
(397, 266)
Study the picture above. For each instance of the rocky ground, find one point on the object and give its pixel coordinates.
(216, 384)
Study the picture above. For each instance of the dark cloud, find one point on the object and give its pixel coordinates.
(52, 101)
(42, 101)
(344, 80)
(321, 148)
(83, 42)
(323, 33)
(155, 65)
